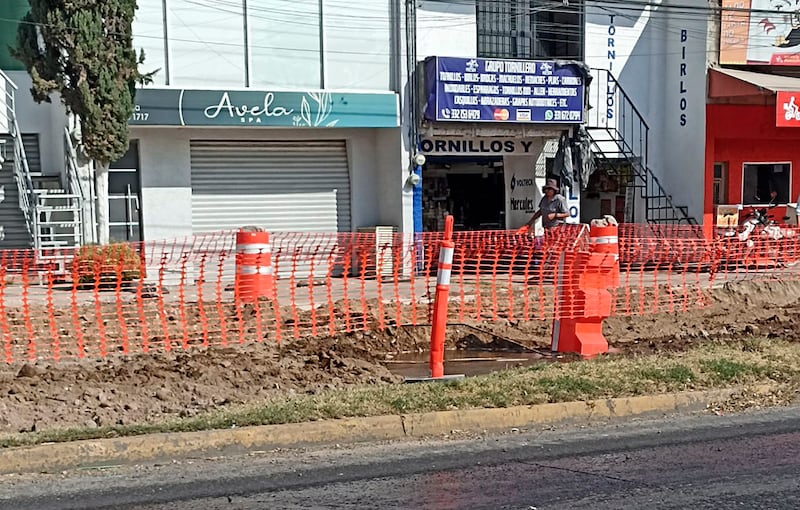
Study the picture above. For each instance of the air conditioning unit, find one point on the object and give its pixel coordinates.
(379, 257)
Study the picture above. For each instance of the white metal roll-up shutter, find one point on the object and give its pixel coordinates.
(283, 186)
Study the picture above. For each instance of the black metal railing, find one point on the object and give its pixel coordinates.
(619, 132)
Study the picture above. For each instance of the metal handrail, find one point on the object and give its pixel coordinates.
(28, 200)
(71, 164)
(8, 80)
(629, 149)
(73, 179)
(627, 97)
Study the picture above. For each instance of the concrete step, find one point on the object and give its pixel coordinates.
(59, 224)
(57, 208)
(52, 191)
(45, 244)
(48, 194)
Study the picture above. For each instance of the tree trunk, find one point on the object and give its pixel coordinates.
(101, 187)
(86, 182)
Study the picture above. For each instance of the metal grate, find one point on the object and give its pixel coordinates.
(529, 29)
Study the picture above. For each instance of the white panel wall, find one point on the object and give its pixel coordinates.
(148, 29)
(395, 198)
(166, 180)
(357, 43)
(616, 40)
(659, 57)
(46, 119)
(206, 43)
(447, 29)
(376, 173)
(284, 43)
(684, 111)
(279, 44)
(4, 107)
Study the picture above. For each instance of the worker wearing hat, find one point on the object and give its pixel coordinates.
(552, 208)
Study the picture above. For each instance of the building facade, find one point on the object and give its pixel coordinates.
(645, 96)
(307, 116)
(275, 115)
(260, 113)
(506, 66)
(752, 112)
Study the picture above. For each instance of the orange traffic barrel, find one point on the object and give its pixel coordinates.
(255, 275)
(604, 239)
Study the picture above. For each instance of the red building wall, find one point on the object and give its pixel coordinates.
(738, 134)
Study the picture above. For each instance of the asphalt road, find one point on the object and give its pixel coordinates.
(747, 461)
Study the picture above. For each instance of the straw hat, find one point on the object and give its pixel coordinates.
(552, 184)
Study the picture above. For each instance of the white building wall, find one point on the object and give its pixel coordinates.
(46, 119)
(166, 173)
(658, 54)
(4, 106)
(395, 198)
(305, 44)
(685, 109)
(287, 46)
(446, 29)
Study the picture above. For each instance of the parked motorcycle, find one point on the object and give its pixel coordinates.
(762, 243)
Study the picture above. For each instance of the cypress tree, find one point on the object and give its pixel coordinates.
(83, 51)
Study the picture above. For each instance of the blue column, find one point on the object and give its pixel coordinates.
(418, 201)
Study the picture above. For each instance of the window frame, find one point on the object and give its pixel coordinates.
(720, 183)
(520, 40)
(749, 202)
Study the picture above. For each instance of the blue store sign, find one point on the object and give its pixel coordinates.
(492, 90)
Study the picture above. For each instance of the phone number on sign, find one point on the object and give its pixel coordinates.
(454, 113)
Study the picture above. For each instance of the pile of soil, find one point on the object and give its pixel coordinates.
(158, 386)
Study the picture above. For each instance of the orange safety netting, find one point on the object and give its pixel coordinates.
(174, 295)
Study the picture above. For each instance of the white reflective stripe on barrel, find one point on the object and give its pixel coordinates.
(253, 249)
(604, 240)
(253, 270)
(445, 266)
(446, 255)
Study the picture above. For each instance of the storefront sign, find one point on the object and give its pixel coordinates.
(611, 56)
(523, 194)
(481, 90)
(760, 32)
(480, 146)
(787, 109)
(176, 107)
(683, 102)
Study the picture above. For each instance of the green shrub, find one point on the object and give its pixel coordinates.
(108, 263)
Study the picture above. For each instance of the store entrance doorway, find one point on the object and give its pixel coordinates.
(472, 189)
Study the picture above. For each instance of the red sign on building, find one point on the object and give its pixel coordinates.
(787, 109)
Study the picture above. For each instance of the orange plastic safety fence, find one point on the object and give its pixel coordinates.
(179, 294)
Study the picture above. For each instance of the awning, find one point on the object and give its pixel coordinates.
(735, 86)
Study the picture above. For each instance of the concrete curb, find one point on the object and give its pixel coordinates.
(56, 457)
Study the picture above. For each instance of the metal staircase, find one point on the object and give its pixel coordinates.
(620, 146)
(51, 214)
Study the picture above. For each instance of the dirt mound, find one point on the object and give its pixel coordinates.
(737, 310)
(160, 386)
(145, 388)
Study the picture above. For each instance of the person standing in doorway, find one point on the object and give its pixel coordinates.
(552, 208)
